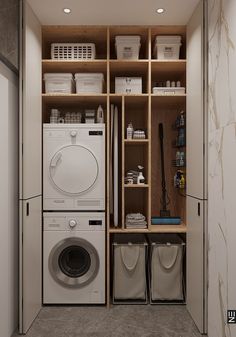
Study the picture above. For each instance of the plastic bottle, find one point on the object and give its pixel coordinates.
(181, 159)
(140, 179)
(177, 157)
(100, 115)
(181, 119)
(182, 182)
(130, 131)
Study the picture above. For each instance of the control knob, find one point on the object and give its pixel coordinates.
(72, 223)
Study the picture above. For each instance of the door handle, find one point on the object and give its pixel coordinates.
(27, 209)
(198, 208)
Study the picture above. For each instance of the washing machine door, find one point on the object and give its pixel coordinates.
(73, 169)
(74, 262)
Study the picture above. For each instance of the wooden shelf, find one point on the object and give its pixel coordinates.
(174, 66)
(74, 98)
(136, 141)
(136, 185)
(74, 66)
(153, 229)
(168, 100)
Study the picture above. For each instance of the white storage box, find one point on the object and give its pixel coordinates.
(127, 47)
(166, 268)
(129, 273)
(168, 90)
(58, 83)
(73, 51)
(89, 83)
(128, 85)
(167, 47)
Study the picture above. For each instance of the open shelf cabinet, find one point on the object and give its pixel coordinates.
(145, 111)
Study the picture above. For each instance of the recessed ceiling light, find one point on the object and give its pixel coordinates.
(66, 10)
(160, 10)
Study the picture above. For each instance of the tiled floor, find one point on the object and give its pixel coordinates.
(118, 321)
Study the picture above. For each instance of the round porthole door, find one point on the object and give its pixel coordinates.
(73, 169)
(73, 262)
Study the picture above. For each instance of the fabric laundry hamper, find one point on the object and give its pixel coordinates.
(166, 268)
(129, 268)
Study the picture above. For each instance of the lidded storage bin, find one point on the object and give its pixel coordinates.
(128, 85)
(89, 83)
(167, 47)
(166, 268)
(58, 83)
(127, 47)
(73, 51)
(129, 268)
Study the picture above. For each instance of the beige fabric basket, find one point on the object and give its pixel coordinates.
(129, 277)
(166, 281)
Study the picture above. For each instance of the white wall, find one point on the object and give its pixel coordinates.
(222, 166)
(8, 202)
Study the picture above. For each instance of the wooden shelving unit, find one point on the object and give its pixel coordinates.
(144, 110)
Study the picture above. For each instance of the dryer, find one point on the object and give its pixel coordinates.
(74, 258)
(74, 167)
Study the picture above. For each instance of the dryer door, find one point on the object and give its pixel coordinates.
(73, 169)
(74, 262)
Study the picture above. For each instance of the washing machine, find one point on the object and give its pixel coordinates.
(74, 258)
(74, 167)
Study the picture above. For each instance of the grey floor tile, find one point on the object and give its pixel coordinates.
(118, 321)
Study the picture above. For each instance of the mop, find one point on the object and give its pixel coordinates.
(164, 217)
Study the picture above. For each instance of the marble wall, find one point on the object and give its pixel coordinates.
(9, 24)
(222, 166)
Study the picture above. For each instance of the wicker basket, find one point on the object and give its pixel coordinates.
(73, 51)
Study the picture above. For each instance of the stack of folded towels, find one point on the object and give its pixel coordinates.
(135, 220)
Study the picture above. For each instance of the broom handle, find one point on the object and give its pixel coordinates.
(163, 183)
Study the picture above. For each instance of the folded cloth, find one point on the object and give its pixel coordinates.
(135, 216)
(135, 220)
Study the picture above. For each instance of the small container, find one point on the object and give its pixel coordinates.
(100, 115)
(178, 84)
(53, 120)
(78, 117)
(67, 118)
(167, 83)
(60, 120)
(173, 84)
(130, 131)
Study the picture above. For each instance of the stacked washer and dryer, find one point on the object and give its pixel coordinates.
(74, 214)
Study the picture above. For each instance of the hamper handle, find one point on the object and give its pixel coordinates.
(129, 267)
(172, 262)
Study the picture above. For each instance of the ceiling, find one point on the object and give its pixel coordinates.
(113, 12)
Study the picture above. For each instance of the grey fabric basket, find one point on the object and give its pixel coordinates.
(166, 268)
(129, 268)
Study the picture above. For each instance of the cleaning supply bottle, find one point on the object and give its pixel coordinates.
(182, 182)
(130, 131)
(181, 159)
(181, 119)
(100, 115)
(140, 179)
(177, 158)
